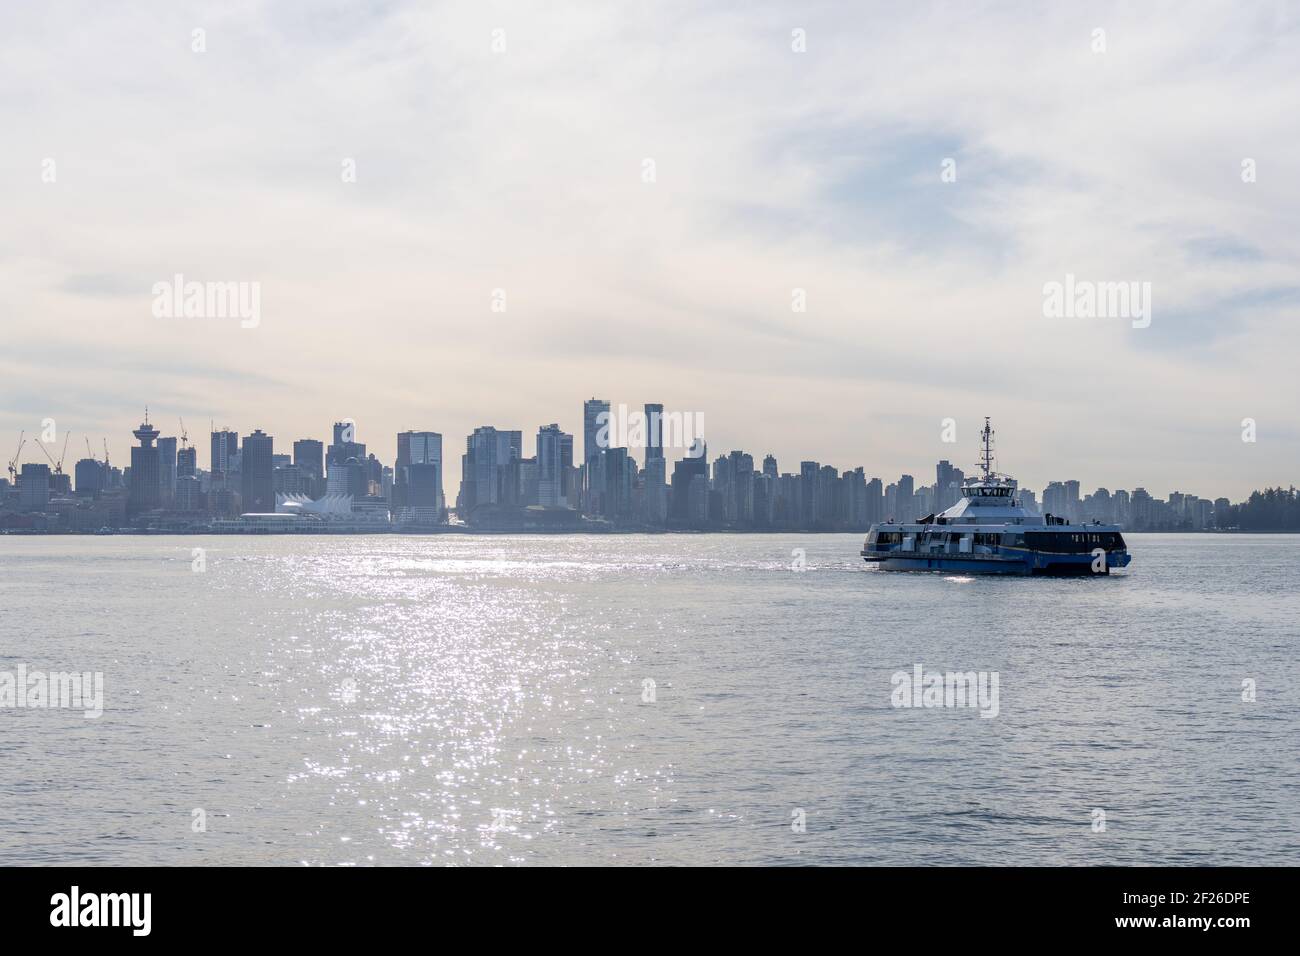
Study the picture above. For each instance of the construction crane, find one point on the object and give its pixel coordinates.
(13, 472)
(185, 436)
(89, 454)
(58, 465)
(106, 454)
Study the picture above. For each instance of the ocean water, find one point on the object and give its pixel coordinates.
(486, 701)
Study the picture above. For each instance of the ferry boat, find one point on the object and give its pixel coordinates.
(990, 532)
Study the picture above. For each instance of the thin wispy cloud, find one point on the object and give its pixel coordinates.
(522, 170)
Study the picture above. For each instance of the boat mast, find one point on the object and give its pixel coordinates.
(986, 462)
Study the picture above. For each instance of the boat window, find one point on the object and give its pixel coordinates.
(1063, 542)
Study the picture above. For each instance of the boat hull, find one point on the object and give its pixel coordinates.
(1023, 564)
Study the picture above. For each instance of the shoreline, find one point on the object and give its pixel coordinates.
(458, 532)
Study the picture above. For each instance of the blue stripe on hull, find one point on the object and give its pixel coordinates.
(953, 564)
(1014, 561)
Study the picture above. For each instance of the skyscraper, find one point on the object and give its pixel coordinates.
(418, 448)
(486, 468)
(551, 468)
(225, 449)
(91, 477)
(568, 489)
(144, 492)
(592, 409)
(655, 476)
(309, 455)
(654, 433)
(345, 445)
(34, 486)
(620, 478)
(167, 470)
(688, 471)
(258, 486)
(906, 506)
(810, 507)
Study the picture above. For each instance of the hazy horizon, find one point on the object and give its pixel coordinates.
(516, 161)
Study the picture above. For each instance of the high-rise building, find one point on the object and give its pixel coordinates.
(187, 462)
(1073, 506)
(289, 480)
(34, 486)
(309, 455)
(568, 484)
(810, 510)
(418, 448)
(592, 422)
(189, 493)
(875, 501)
(348, 478)
(655, 495)
(167, 470)
(1055, 499)
(738, 490)
(90, 476)
(551, 467)
(595, 419)
(686, 471)
(225, 453)
(654, 432)
(258, 485)
(620, 478)
(947, 485)
(487, 475)
(345, 446)
(906, 498)
(830, 505)
(144, 490)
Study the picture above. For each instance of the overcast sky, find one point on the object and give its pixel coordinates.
(523, 170)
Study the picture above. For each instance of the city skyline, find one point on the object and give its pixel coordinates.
(594, 483)
(384, 444)
(781, 235)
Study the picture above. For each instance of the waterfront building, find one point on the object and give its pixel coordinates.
(144, 485)
(258, 483)
(422, 448)
(34, 486)
(551, 467)
(224, 457)
(487, 476)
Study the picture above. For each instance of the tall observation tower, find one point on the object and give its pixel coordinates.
(144, 490)
(146, 434)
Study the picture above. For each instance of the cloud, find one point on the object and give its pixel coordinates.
(775, 170)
